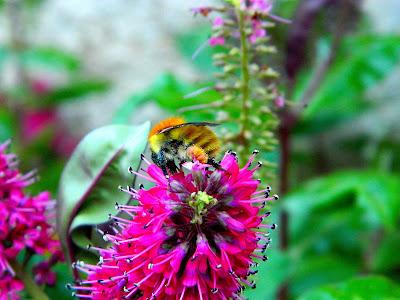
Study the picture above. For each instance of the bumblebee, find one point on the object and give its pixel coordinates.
(173, 141)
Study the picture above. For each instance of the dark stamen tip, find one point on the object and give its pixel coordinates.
(214, 290)
(68, 286)
(276, 197)
(255, 151)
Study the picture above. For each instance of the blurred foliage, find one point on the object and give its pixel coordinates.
(342, 93)
(29, 108)
(48, 57)
(368, 288)
(168, 92)
(193, 42)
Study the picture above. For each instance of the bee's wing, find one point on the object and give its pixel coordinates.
(187, 124)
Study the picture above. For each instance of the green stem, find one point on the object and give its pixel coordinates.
(245, 78)
(30, 286)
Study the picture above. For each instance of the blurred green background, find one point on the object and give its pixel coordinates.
(67, 67)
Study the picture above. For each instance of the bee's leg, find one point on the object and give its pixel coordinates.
(172, 166)
(195, 152)
(159, 160)
(164, 170)
(215, 164)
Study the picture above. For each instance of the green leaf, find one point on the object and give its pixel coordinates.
(89, 183)
(64, 276)
(7, 124)
(386, 256)
(4, 54)
(372, 192)
(196, 41)
(366, 288)
(129, 107)
(74, 91)
(317, 270)
(270, 274)
(361, 63)
(50, 57)
(168, 92)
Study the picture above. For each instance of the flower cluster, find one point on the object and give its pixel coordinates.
(24, 221)
(194, 235)
(256, 13)
(246, 81)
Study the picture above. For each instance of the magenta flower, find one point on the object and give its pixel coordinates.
(41, 86)
(193, 236)
(9, 287)
(35, 122)
(218, 22)
(24, 219)
(261, 6)
(42, 271)
(280, 101)
(216, 40)
(257, 31)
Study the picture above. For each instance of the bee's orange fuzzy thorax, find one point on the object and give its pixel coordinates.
(173, 121)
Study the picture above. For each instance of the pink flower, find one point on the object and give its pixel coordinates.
(35, 122)
(280, 101)
(9, 287)
(216, 40)
(218, 22)
(261, 6)
(193, 236)
(24, 219)
(257, 31)
(41, 86)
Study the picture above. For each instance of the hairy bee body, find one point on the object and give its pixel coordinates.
(173, 142)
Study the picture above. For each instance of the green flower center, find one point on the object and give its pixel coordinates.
(201, 202)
